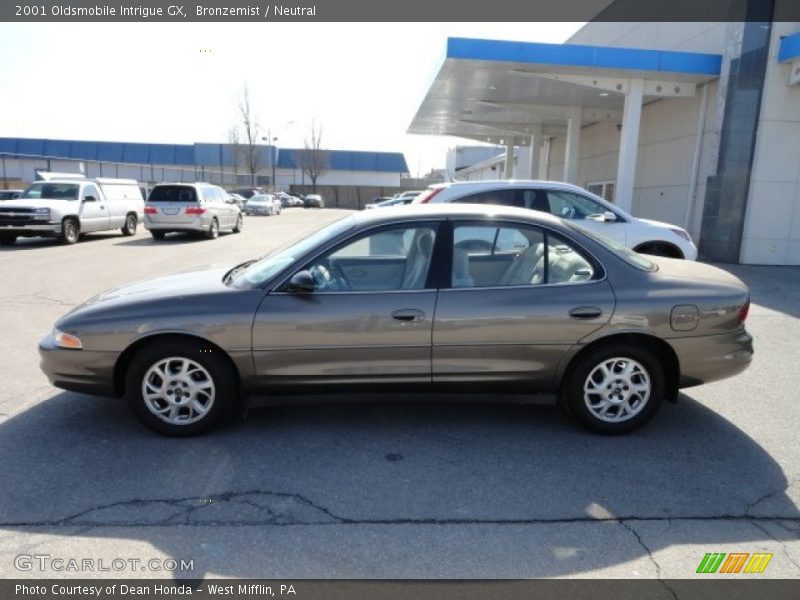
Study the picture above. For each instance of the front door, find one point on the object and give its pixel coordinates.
(368, 320)
(587, 212)
(94, 210)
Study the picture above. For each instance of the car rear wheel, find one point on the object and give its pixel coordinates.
(70, 231)
(130, 225)
(158, 235)
(615, 389)
(239, 224)
(213, 230)
(180, 388)
(8, 240)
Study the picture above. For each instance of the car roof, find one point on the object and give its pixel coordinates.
(511, 183)
(455, 210)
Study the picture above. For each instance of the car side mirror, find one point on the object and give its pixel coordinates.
(301, 283)
(609, 216)
(90, 199)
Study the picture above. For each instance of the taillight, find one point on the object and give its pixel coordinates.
(150, 210)
(426, 196)
(195, 210)
(744, 311)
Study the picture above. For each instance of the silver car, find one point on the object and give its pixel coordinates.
(263, 204)
(190, 207)
(439, 297)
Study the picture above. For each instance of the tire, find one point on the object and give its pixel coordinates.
(213, 230)
(589, 391)
(70, 231)
(8, 240)
(158, 235)
(131, 222)
(190, 404)
(239, 224)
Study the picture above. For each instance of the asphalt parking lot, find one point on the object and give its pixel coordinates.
(402, 490)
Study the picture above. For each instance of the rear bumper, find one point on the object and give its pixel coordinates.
(80, 371)
(198, 223)
(711, 358)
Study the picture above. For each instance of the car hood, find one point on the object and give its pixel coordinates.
(169, 288)
(659, 224)
(695, 272)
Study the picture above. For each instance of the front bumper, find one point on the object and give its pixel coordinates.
(51, 229)
(709, 358)
(83, 371)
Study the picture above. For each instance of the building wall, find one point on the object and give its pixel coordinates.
(772, 221)
(680, 37)
(286, 177)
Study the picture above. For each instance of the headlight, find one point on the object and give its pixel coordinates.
(681, 233)
(41, 214)
(66, 340)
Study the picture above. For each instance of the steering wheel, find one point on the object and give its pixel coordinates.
(321, 276)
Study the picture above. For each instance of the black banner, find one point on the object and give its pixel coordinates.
(549, 589)
(385, 10)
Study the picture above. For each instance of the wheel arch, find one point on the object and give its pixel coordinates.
(675, 251)
(127, 355)
(665, 353)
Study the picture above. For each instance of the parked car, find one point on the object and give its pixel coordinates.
(10, 194)
(313, 201)
(409, 194)
(246, 193)
(391, 202)
(237, 200)
(69, 208)
(523, 302)
(263, 204)
(190, 208)
(288, 200)
(573, 203)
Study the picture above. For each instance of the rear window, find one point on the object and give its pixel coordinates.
(173, 193)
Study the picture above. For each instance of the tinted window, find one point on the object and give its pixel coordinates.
(502, 197)
(53, 191)
(173, 193)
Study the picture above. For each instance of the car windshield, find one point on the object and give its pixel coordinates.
(269, 266)
(629, 256)
(52, 191)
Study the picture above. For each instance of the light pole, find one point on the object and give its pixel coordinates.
(274, 154)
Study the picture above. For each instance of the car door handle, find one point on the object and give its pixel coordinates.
(408, 314)
(585, 312)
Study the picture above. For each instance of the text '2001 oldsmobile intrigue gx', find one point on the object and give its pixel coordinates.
(447, 297)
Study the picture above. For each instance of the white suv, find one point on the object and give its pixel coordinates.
(574, 203)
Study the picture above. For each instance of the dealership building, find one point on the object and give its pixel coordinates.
(696, 124)
(22, 158)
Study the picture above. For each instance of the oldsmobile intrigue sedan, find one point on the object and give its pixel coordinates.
(441, 297)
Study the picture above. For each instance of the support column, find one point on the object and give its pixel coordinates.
(509, 166)
(572, 151)
(544, 166)
(629, 145)
(535, 154)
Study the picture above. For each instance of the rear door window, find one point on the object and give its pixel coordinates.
(173, 193)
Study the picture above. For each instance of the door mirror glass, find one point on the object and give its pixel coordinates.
(301, 282)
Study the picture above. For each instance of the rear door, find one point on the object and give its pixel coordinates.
(514, 308)
(170, 203)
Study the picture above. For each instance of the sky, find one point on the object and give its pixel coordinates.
(179, 83)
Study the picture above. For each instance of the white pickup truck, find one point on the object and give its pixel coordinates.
(69, 206)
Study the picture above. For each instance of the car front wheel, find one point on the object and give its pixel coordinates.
(180, 388)
(615, 389)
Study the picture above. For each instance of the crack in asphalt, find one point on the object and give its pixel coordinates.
(650, 556)
(39, 299)
(282, 509)
(768, 495)
(781, 543)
